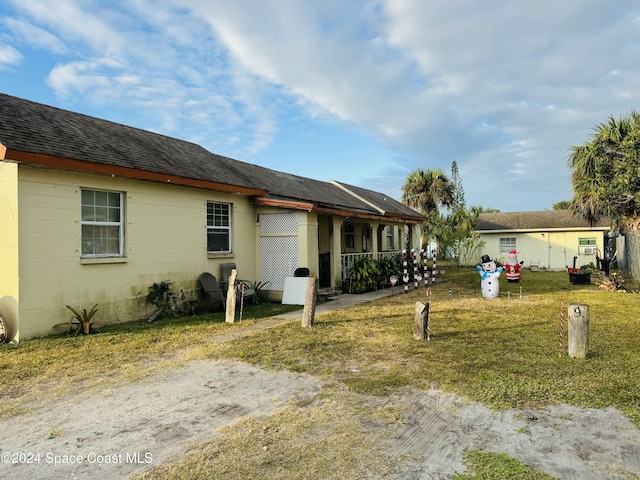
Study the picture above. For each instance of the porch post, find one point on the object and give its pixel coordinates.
(308, 242)
(374, 239)
(415, 229)
(336, 252)
(414, 235)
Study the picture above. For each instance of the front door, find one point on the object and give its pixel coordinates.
(324, 265)
(558, 251)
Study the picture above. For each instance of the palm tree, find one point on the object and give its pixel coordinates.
(561, 205)
(605, 173)
(427, 191)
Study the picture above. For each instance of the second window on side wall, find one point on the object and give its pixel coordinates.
(218, 227)
(102, 223)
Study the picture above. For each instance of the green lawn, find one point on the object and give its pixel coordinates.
(503, 352)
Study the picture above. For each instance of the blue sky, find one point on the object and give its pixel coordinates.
(359, 91)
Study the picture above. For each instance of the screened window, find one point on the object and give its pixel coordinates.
(218, 227)
(349, 235)
(507, 244)
(102, 223)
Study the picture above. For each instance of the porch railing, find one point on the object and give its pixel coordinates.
(347, 260)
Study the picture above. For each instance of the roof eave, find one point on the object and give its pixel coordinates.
(282, 203)
(119, 171)
(539, 230)
(342, 212)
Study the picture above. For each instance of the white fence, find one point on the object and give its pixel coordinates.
(347, 260)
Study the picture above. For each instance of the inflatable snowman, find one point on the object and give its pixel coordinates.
(512, 267)
(490, 274)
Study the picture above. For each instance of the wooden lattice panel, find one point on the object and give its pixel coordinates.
(278, 247)
(278, 223)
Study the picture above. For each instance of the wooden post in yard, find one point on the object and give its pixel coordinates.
(230, 316)
(310, 300)
(421, 319)
(578, 330)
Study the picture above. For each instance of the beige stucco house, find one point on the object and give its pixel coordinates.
(94, 212)
(548, 238)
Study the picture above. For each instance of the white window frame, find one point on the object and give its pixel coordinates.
(587, 242)
(587, 245)
(212, 227)
(102, 222)
(507, 244)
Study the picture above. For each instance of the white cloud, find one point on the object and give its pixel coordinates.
(75, 22)
(9, 56)
(92, 78)
(34, 36)
(499, 87)
(153, 56)
(314, 50)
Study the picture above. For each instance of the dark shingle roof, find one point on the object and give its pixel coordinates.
(537, 220)
(381, 200)
(287, 186)
(35, 128)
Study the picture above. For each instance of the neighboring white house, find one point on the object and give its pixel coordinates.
(548, 238)
(94, 212)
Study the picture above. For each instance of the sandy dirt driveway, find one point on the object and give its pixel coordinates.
(117, 432)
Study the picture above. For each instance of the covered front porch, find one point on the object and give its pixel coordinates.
(327, 239)
(342, 241)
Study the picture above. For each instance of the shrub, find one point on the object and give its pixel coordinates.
(82, 319)
(368, 274)
(168, 302)
(363, 276)
(388, 266)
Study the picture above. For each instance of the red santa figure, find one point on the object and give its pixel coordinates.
(512, 267)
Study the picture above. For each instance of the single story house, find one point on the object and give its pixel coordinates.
(549, 238)
(95, 212)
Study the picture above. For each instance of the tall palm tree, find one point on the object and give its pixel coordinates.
(427, 191)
